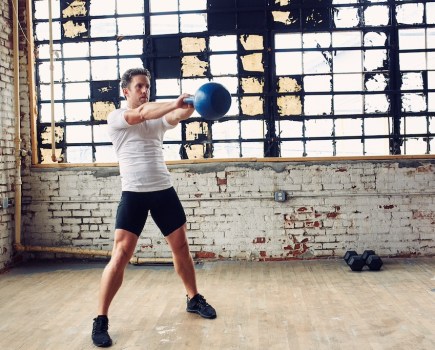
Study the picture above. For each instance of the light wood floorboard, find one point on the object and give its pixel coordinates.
(300, 305)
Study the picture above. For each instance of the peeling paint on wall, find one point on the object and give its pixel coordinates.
(318, 17)
(105, 90)
(414, 102)
(192, 66)
(252, 105)
(46, 135)
(412, 81)
(252, 42)
(196, 131)
(75, 9)
(252, 85)
(195, 151)
(317, 222)
(101, 109)
(282, 2)
(253, 62)
(289, 105)
(46, 155)
(286, 84)
(193, 45)
(376, 82)
(72, 29)
(283, 17)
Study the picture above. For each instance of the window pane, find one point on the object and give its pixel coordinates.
(163, 6)
(77, 71)
(288, 63)
(102, 7)
(165, 24)
(130, 47)
(348, 148)
(317, 105)
(288, 41)
(226, 130)
(348, 104)
(105, 154)
(223, 64)
(252, 149)
(131, 26)
(193, 23)
(226, 150)
(130, 6)
(319, 148)
(77, 111)
(79, 154)
(103, 48)
(378, 15)
(100, 133)
(78, 134)
(348, 127)
(103, 27)
(347, 61)
(223, 43)
(292, 149)
(75, 50)
(104, 69)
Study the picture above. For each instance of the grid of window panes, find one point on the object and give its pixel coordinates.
(307, 78)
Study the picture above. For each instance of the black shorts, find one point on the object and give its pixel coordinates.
(165, 208)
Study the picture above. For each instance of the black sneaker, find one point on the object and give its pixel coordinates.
(199, 305)
(100, 336)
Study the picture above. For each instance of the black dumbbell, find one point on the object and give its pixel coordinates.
(367, 253)
(374, 262)
(353, 260)
(348, 255)
(356, 263)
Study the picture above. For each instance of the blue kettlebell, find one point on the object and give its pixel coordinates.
(212, 101)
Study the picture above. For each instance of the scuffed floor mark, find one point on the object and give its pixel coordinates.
(168, 334)
(163, 330)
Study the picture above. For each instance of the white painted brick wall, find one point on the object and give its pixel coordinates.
(387, 206)
(6, 134)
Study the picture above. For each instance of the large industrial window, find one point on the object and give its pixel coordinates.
(307, 78)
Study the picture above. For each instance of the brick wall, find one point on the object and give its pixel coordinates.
(8, 121)
(7, 135)
(388, 206)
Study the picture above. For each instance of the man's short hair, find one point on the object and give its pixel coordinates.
(127, 77)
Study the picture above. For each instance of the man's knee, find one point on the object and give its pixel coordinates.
(178, 241)
(120, 257)
(123, 249)
(180, 248)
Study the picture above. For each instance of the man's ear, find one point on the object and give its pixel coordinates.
(125, 92)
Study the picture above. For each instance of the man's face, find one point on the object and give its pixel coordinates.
(138, 92)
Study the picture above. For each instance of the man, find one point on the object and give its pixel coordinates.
(137, 136)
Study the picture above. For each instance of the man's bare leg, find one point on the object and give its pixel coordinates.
(183, 261)
(184, 266)
(111, 280)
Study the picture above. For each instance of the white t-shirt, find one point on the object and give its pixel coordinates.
(139, 151)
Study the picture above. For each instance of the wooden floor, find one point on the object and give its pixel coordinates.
(276, 305)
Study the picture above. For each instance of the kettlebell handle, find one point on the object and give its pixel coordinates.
(189, 100)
